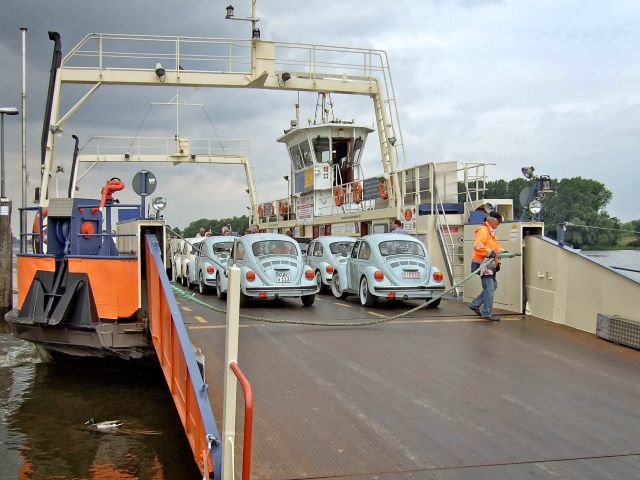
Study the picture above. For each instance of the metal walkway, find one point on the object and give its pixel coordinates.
(437, 395)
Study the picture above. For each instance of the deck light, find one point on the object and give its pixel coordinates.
(535, 207)
(160, 72)
(158, 204)
(229, 12)
(285, 77)
(528, 172)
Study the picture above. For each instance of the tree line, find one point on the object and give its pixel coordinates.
(237, 224)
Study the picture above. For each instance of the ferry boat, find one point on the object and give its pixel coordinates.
(93, 289)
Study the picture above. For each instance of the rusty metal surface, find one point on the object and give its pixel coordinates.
(438, 395)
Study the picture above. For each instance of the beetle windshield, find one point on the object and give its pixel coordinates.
(341, 248)
(274, 247)
(400, 247)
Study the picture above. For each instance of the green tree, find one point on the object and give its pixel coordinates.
(238, 224)
(577, 200)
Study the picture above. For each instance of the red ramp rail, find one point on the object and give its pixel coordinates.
(179, 366)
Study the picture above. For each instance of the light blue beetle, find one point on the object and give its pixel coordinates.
(211, 261)
(271, 267)
(388, 265)
(325, 254)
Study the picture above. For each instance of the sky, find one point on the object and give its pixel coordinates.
(553, 84)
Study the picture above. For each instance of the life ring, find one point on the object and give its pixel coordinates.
(338, 195)
(272, 209)
(260, 210)
(383, 190)
(357, 192)
(282, 208)
(36, 230)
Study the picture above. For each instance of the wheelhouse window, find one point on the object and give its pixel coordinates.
(341, 248)
(400, 247)
(321, 149)
(305, 149)
(274, 247)
(296, 157)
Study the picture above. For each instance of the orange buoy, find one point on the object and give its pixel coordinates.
(383, 190)
(282, 207)
(36, 230)
(338, 195)
(261, 211)
(357, 192)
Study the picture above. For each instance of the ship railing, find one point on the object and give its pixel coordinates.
(116, 52)
(136, 146)
(178, 363)
(37, 237)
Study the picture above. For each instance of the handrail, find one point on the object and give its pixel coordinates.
(248, 420)
(175, 355)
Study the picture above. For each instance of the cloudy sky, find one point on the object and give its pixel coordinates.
(552, 84)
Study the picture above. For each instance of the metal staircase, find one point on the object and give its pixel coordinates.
(451, 247)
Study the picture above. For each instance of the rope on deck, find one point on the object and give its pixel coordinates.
(192, 296)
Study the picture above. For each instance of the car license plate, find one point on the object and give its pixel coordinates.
(282, 277)
(410, 274)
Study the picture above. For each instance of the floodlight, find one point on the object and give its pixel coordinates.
(535, 207)
(159, 204)
(489, 207)
(528, 172)
(160, 72)
(545, 184)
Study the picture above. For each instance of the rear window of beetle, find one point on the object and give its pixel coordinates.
(400, 247)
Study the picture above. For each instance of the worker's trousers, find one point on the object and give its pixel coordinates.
(485, 299)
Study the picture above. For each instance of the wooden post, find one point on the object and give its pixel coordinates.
(6, 255)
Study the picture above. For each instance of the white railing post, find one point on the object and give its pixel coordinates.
(230, 382)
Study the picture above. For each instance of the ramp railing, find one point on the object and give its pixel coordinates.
(175, 354)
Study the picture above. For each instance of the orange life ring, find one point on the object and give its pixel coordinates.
(338, 195)
(357, 192)
(282, 207)
(382, 188)
(272, 209)
(260, 210)
(36, 230)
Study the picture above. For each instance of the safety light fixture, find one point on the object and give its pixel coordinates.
(229, 12)
(535, 206)
(158, 204)
(160, 72)
(528, 172)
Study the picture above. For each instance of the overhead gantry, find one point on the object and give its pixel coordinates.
(143, 60)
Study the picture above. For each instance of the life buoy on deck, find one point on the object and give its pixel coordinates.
(338, 195)
(35, 239)
(261, 211)
(272, 209)
(283, 207)
(383, 190)
(357, 192)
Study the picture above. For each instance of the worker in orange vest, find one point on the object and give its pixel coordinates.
(486, 245)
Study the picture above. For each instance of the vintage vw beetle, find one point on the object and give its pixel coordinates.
(211, 259)
(271, 266)
(325, 254)
(388, 265)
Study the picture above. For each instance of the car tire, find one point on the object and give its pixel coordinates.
(219, 293)
(321, 286)
(336, 289)
(244, 299)
(435, 304)
(307, 300)
(202, 288)
(366, 298)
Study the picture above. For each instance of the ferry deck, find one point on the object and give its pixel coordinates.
(439, 394)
